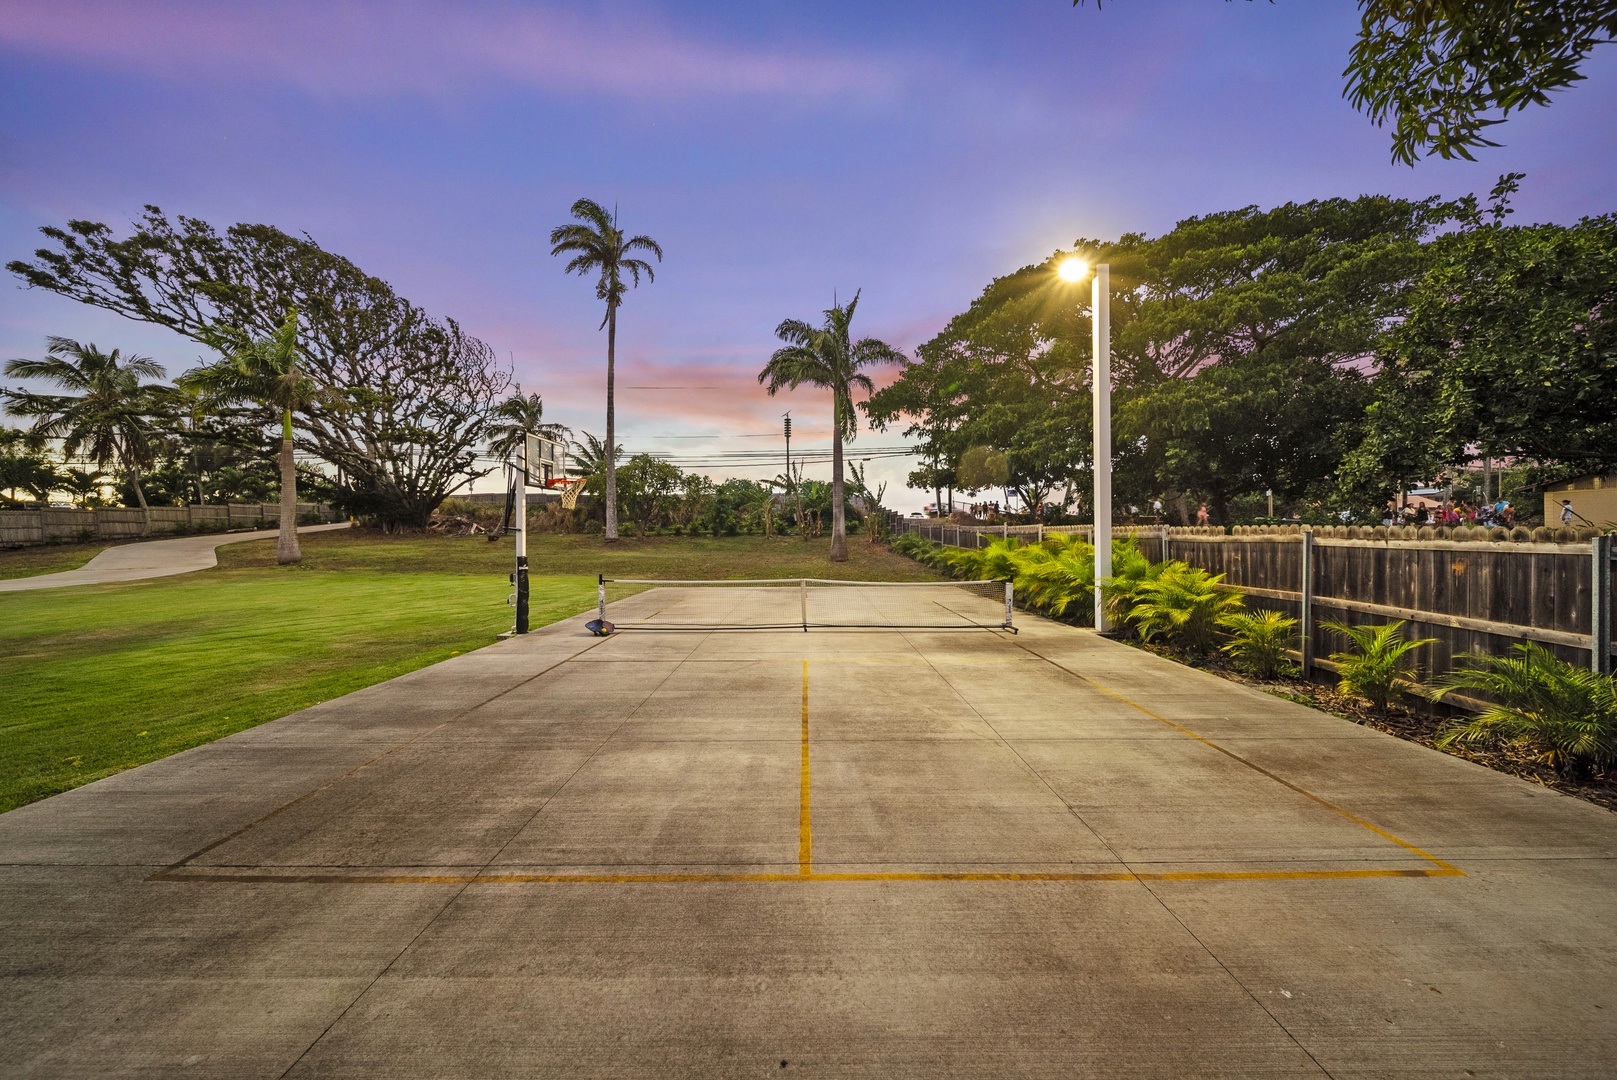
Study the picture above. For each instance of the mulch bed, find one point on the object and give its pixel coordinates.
(1420, 727)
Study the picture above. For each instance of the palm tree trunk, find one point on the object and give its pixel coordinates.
(140, 497)
(611, 424)
(839, 538)
(286, 545)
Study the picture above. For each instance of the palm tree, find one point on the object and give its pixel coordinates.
(827, 357)
(83, 484)
(107, 413)
(597, 244)
(522, 414)
(263, 371)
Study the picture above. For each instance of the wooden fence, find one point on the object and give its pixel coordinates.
(19, 528)
(1474, 590)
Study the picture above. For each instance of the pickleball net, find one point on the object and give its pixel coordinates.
(804, 604)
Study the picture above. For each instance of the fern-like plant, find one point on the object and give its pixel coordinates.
(1058, 581)
(1183, 605)
(1130, 570)
(1564, 713)
(1259, 641)
(1377, 668)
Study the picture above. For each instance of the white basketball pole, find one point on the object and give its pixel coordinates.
(1101, 384)
(520, 578)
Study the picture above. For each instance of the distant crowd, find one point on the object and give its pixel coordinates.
(1452, 514)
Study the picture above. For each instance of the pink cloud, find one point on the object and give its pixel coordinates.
(347, 48)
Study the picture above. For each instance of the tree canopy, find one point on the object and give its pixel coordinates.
(411, 396)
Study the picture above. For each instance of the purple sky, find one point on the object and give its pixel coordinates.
(778, 152)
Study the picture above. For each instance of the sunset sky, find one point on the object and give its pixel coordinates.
(779, 152)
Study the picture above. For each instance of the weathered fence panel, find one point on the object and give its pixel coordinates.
(1480, 592)
(1471, 597)
(21, 528)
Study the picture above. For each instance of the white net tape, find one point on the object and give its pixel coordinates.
(805, 604)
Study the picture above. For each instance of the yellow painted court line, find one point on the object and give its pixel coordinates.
(1446, 869)
(805, 843)
(805, 832)
(667, 879)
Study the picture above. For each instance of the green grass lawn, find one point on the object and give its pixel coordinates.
(97, 679)
(47, 558)
(561, 553)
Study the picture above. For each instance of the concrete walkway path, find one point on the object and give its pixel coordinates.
(151, 559)
(873, 853)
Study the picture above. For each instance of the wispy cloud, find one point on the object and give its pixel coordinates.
(353, 48)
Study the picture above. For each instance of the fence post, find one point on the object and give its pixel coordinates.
(803, 586)
(1165, 551)
(1041, 532)
(1307, 620)
(1600, 606)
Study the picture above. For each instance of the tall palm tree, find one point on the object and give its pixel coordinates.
(597, 244)
(518, 414)
(263, 371)
(828, 357)
(106, 414)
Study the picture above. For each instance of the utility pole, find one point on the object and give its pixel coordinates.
(788, 418)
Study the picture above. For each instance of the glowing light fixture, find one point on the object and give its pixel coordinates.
(1073, 269)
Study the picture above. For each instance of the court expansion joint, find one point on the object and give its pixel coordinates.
(1433, 867)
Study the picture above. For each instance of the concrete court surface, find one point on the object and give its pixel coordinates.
(872, 853)
(150, 559)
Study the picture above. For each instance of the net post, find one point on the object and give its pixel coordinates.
(802, 586)
(1010, 603)
(600, 597)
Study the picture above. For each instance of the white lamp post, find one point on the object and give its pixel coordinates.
(1100, 308)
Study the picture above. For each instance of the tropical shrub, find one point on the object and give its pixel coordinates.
(1259, 641)
(1130, 570)
(1564, 713)
(1183, 606)
(1377, 668)
(1058, 577)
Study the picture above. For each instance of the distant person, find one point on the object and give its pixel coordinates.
(1566, 509)
(1201, 514)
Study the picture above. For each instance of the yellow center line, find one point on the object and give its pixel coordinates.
(805, 832)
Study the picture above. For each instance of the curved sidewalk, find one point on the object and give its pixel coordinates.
(154, 558)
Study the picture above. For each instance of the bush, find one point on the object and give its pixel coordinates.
(1058, 576)
(1130, 570)
(1566, 714)
(1259, 642)
(1376, 670)
(1183, 605)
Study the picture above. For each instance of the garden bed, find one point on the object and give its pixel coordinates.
(1415, 726)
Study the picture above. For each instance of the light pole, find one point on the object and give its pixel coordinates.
(1100, 309)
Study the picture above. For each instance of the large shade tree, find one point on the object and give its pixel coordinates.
(105, 412)
(411, 396)
(599, 247)
(1006, 378)
(1508, 350)
(1240, 345)
(264, 371)
(827, 356)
